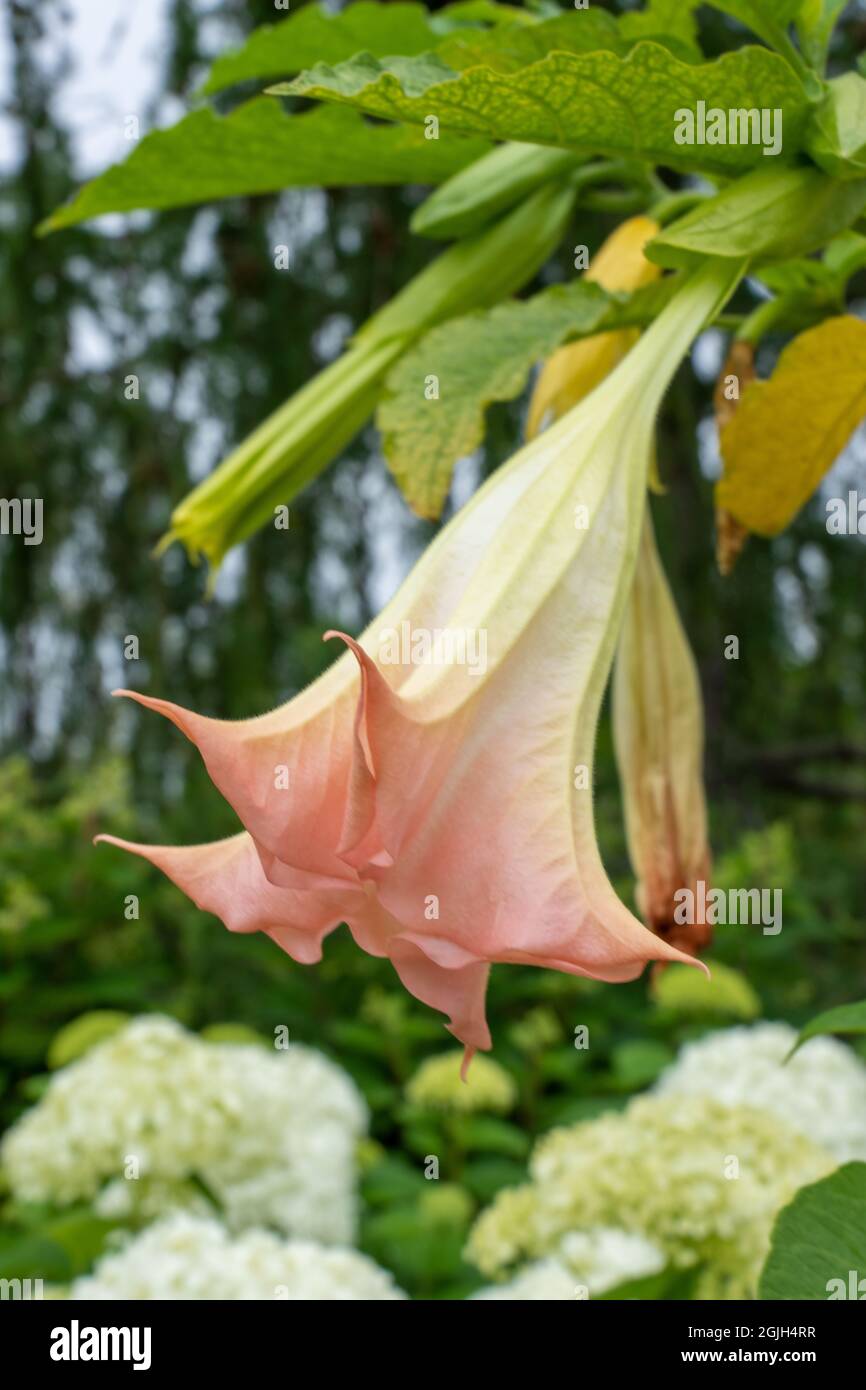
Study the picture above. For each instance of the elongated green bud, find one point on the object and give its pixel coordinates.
(294, 444)
(480, 271)
(471, 199)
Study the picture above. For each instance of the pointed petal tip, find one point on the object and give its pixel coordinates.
(468, 1054)
(186, 720)
(118, 843)
(677, 957)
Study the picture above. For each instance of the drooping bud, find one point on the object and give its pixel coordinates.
(658, 726)
(471, 199)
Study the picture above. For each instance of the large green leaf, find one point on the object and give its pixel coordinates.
(770, 214)
(463, 35)
(314, 35)
(847, 1018)
(476, 360)
(509, 50)
(819, 1239)
(259, 149)
(594, 102)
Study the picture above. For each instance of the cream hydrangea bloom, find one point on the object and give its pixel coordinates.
(701, 1180)
(133, 1122)
(821, 1092)
(188, 1257)
(437, 1084)
(587, 1262)
(545, 1281)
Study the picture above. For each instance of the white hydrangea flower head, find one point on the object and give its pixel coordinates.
(588, 1263)
(138, 1119)
(699, 1180)
(604, 1257)
(189, 1257)
(821, 1092)
(545, 1281)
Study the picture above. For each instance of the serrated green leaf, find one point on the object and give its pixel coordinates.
(847, 1018)
(818, 1239)
(317, 35)
(509, 50)
(482, 358)
(768, 215)
(260, 149)
(314, 35)
(590, 102)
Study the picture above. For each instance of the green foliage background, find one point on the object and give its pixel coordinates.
(217, 340)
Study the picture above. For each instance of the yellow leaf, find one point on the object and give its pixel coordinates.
(789, 431)
(574, 371)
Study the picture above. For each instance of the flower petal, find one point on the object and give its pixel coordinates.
(226, 878)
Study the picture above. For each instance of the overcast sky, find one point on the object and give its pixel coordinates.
(117, 49)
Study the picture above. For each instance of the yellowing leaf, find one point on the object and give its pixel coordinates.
(574, 371)
(789, 430)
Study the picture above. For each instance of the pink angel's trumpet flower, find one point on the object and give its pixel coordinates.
(424, 789)
(658, 725)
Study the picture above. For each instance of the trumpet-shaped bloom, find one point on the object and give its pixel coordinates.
(431, 802)
(658, 725)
